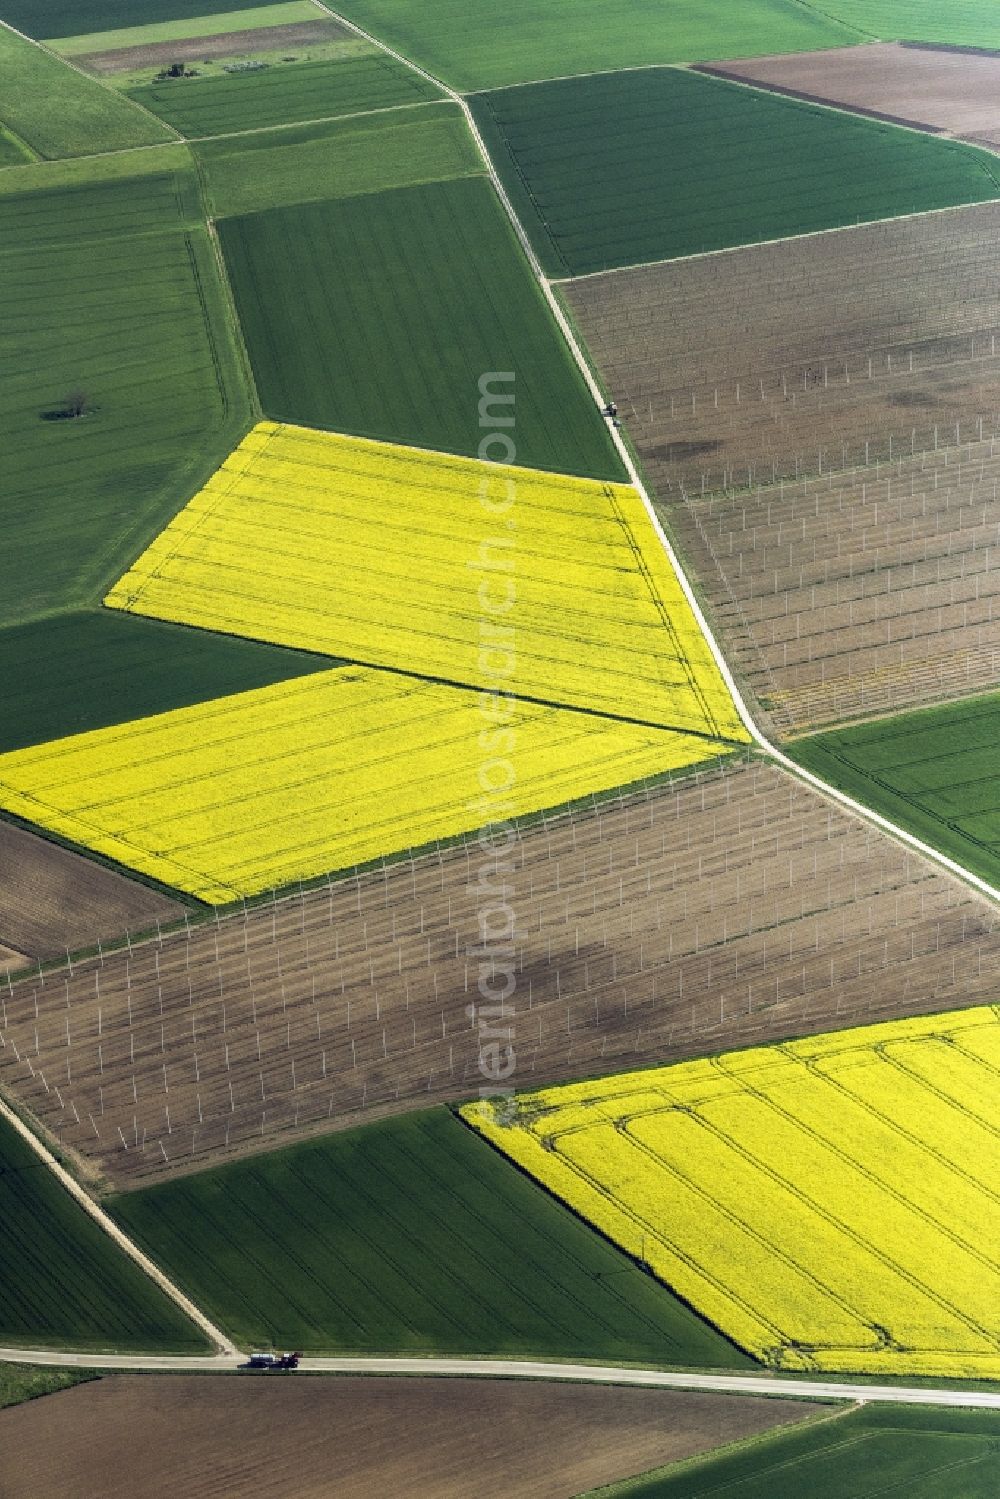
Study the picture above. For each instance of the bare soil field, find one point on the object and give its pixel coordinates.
(732, 908)
(856, 593)
(806, 355)
(10, 959)
(222, 44)
(949, 92)
(52, 899)
(312, 1437)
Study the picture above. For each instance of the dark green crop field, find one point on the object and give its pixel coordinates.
(283, 95)
(52, 18)
(933, 771)
(475, 44)
(622, 168)
(336, 159)
(60, 112)
(409, 1235)
(377, 315)
(880, 1450)
(92, 668)
(109, 292)
(63, 1283)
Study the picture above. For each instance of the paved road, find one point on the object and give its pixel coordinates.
(723, 1384)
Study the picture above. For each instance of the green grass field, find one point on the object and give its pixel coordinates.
(409, 1235)
(111, 289)
(307, 163)
(63, 1283)
(59, 112)
(92, 668)
(617, 169)
(967, 23)
(56, 18)
(880, 1450)
(483, 45)
(230, 18)
(283, 95)
(21, 1382)
(933, 771)
(13, 152)
(377, 315)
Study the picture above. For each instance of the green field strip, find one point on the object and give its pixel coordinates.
(63, 1282)
(284, 95)
(21, 1382)
(58, 111)
(410, 1235)
(82, 22)
(968, 23)
(121, 166)
(337, 159)
(878, 1450)
(111, 289)
(622, 169)
(90, 669)
(220, 23)
(932, 771)
(378, 315)
(13, 150)
(491, 46)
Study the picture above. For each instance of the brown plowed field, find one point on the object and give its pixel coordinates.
(859, 593)
(957, 93)
(313, 1437)
(221, 44)
(11, 959)
(730, 909)
(52, 899)
(806, 355)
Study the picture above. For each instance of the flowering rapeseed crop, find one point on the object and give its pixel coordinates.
(388, 555)
(830, 1204)
(234, 796)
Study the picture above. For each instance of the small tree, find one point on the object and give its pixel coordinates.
(76, 402)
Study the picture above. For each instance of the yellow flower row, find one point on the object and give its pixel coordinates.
(234, 796)
(830, 1204)
(463, 571)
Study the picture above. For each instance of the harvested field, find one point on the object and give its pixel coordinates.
(729, 909)
(10, 959)
(957, 93)
(222, 44)
(859, 593)
(52, 899)
(204, 1437)
(813, 354)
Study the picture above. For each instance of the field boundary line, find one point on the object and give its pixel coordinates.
(354, 114)
(433, 1367)
(222, 1343)
(867, 814)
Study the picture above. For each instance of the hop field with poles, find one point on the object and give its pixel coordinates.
(830, 1204)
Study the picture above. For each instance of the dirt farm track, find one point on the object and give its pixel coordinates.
(731, 909)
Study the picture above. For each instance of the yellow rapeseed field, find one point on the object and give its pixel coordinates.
(831, 1204)
(319, 773)
(466, 572)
